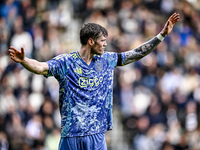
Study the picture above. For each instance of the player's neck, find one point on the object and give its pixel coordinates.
(86, 54)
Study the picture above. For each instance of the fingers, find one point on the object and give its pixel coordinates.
(12, 48)
(11, 56)
(22, 50)
(16, 55)
(175, 17)
(11, 52)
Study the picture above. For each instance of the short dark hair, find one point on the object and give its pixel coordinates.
(91, 30)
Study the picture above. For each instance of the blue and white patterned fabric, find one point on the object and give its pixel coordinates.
(85, 94)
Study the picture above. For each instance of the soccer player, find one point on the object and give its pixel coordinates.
(86, 84)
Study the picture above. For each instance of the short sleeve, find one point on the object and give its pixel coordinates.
(112, 58)
(57, 66)
(123, 56)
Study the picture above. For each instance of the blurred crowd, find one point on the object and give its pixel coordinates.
(158, 97)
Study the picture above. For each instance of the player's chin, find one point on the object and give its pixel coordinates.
(100, 52)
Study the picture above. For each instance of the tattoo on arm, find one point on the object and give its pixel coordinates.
(141, 51)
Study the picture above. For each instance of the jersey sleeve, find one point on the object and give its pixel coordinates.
(57, 66)
(121, 58)
(112, 58)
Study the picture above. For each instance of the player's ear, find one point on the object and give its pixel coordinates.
(90, 41)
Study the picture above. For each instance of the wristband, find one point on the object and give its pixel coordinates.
(160, 37)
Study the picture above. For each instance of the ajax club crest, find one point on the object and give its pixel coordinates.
(98, 66)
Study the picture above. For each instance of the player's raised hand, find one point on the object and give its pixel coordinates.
(16, 55)
(170, 24)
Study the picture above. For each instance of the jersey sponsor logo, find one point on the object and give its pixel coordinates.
(89, 82)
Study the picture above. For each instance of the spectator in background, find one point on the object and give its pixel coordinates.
(16, 131)
(4, 35)
(21, 37)
(9, 10)
(34, 131)
(4, 144)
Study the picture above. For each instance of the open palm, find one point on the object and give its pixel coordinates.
(170, 24)
(16, 55)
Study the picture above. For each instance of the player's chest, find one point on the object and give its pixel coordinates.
(88, 76)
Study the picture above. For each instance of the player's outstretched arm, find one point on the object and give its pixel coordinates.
(30, 64)
(149, 46)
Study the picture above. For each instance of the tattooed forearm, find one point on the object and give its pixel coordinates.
(141, 51)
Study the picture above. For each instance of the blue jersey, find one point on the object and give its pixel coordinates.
(86, 92)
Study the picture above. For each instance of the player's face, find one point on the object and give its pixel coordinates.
(99, 45)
